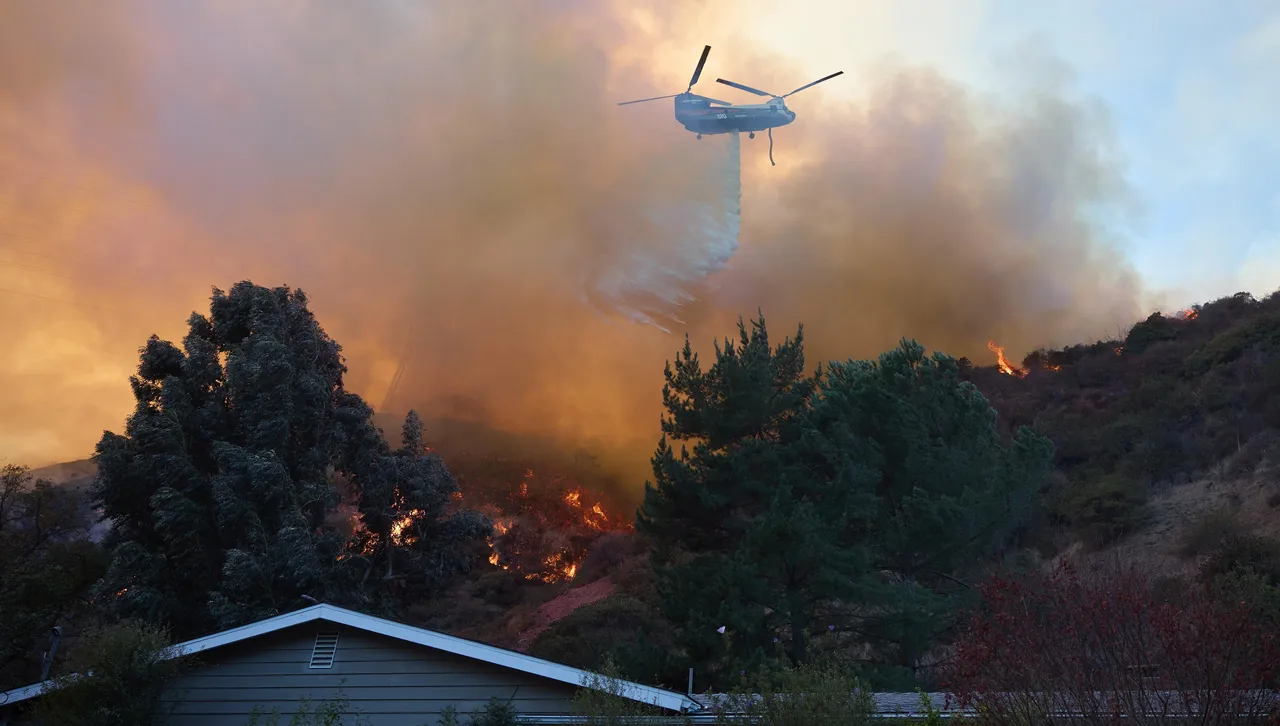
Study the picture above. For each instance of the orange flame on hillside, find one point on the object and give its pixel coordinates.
(500, 528)
(559, 569)
(1188, 314)
(594, 517)
(1003, 363)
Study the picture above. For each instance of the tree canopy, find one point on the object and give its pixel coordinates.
(948, 491)
(749, 545)
(222, 490)
(825, 508)
(48, 566)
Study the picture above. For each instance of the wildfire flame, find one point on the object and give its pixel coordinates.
(398, 527)
(500, 528)
(538, 535)
(1188, 314)
(1003, 363)
(558, 569)
(510, 545)
(595, 517)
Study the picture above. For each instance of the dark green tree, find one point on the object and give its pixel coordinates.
(221, 490)
(47, 568)
(412, 538)
(620, 631)
(949, 492)
(746, 538)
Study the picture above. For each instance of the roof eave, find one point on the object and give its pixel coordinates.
(648, 695)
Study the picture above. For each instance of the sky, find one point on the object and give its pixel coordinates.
(472, 216)
(1189, 87)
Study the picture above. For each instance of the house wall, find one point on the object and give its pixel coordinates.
(389, 682)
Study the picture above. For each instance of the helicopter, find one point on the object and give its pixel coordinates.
(704, 115)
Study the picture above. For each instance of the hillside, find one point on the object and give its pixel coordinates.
(1157, 426)
(1164, 447)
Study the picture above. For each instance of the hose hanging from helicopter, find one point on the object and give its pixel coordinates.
(771, 148)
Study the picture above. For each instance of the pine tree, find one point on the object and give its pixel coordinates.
(411, 537)
(221, 489)
(746, 539)
(949, 492)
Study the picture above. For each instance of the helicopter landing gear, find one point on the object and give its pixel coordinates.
(751, 135)
(699, 137)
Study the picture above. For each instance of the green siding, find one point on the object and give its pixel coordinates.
(389, 682)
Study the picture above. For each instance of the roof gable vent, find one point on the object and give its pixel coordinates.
(325, 649)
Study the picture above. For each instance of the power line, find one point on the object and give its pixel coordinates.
(64, 301)
(51, 273)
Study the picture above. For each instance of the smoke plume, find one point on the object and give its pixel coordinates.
(454, 188)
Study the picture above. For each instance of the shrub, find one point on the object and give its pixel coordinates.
(1105, 509)
(330, 712)
(601, 701)
(494, 713)
(1044, 643)
(1207, 532)
(808, 695)
(116, 677)
(1237, 552)
(619, 630)
(1154, 329)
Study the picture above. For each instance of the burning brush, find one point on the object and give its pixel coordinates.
(543, 532)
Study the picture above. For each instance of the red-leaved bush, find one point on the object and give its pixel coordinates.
(1060, 646)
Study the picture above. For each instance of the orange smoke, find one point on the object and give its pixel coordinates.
(469, 200)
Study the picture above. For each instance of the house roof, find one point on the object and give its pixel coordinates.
(668, 700)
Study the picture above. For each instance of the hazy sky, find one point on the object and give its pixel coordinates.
(1190, 85)
(453, 186)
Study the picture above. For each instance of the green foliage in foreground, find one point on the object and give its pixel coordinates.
(47, 568)
(116, 677)
(601, 703)
(329, 712)
(808, 695)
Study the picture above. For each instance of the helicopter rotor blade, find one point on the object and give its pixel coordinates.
(741, 87)
(810, 85)
(713, 100)
(697, 72)
(643, 100)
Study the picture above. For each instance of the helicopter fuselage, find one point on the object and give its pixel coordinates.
(697, 114)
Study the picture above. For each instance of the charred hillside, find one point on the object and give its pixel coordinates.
(1180, 398)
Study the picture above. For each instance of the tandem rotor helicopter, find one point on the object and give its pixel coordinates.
(697, 114)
